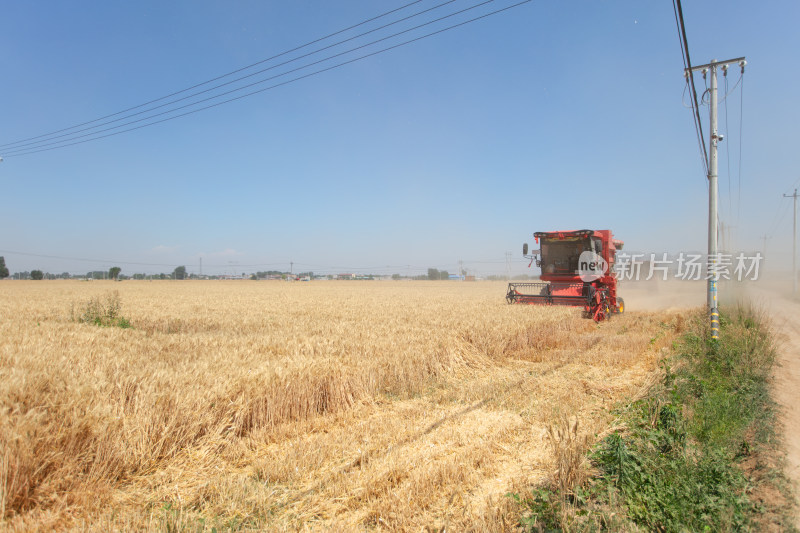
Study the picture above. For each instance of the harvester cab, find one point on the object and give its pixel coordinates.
(577, 269)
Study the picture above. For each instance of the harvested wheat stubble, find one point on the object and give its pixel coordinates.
(349, 405)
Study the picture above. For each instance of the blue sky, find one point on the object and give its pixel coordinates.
(551, 115)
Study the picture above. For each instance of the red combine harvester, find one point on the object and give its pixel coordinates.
(577, 270)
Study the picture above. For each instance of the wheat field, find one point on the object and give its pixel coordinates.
(244, 405)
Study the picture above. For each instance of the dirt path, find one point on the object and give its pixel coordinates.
(785, 314)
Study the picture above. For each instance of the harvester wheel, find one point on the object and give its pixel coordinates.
(620, 305)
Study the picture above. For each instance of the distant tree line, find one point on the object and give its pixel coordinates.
(438, 274)
(180, 273)
(113, 273)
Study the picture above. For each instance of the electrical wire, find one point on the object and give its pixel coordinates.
(780, 213)
(741, 121)
(678, 10)
(66, 143)
(727, 150)
(220, 95)
(83, 259)
(683, 97)
(727, 93)
(222, 76)
(41, 143)
(237, 266)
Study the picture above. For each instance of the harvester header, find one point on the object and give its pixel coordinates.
(577, 269)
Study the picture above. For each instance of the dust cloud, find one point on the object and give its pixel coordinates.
(658, 295)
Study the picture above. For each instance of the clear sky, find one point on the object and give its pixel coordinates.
(551, 115)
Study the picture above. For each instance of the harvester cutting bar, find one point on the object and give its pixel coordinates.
(543, 293)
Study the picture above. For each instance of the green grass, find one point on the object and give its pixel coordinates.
(102, 311)
(677, 464)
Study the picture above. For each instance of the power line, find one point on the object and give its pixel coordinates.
(741, 121)
(136, 263)
(687, 63)
(185, 106)
(307, 266)
(727, 149)
(780, 213)
(41, 143)
(734, 215)
(82, 259)
(69, 142)
(220, 77)
(729, 92)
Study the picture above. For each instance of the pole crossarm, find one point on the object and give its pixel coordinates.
(716, 63)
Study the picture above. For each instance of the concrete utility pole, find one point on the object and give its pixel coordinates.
(794, 241)
(713, 189)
